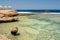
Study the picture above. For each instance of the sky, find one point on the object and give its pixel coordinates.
(32, 4)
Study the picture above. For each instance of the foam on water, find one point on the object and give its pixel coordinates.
(54, 13)
(24, 12)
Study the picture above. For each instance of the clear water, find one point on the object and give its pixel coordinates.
(34, 27)
(55, 11)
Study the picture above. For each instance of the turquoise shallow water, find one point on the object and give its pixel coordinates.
(48, 26)
(34, 27)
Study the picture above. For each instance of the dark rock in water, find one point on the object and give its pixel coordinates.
(14, 30)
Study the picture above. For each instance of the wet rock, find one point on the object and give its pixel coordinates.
(14, 30)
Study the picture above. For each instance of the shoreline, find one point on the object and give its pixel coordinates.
(35, 13)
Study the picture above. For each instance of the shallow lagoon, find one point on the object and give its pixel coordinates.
(34, 27)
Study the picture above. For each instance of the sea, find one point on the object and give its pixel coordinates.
(39, 11)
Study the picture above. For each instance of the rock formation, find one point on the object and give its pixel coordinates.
(8, 15)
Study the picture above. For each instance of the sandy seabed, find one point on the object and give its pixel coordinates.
(34, 27)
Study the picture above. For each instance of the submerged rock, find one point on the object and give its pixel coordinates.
(8, 15)
(14, 30)
(2, 37)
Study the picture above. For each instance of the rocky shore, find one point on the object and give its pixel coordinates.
(8, 15)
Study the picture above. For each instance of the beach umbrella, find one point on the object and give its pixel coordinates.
(10, 6)
(1, 7)
(5, 7)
